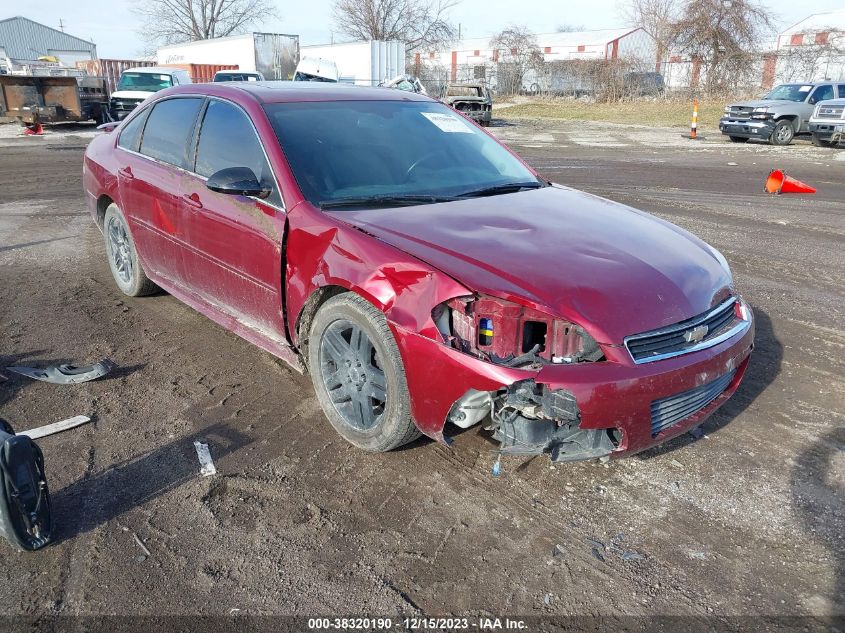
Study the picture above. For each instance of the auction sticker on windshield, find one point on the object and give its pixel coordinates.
(447, 122)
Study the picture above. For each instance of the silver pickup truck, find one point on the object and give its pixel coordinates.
(784, 112)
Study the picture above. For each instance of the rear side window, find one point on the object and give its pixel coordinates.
(130, 135)
(842, 91)
(822, 93)
(168, 131)
(228, 139)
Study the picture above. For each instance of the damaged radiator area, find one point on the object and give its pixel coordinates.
(528, 418)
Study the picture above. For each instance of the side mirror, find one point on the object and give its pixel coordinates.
(237, 181)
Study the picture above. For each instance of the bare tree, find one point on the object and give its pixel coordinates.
(569, 28)
(421, 24)
(656, 17)
(517, 51)
(722, 36)
(172, 21)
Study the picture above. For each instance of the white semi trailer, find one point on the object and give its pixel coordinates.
(274, 55)
(366, 63)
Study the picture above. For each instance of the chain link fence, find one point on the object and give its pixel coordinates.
(674, 77)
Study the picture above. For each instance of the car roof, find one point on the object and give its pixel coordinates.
(161, 70)
(293, 91)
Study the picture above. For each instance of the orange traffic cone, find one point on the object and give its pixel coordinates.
(34, 130)
(779, 182)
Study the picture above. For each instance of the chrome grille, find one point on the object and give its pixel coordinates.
(698, 332)
(671, 410)
(831, 112)
(740, 111)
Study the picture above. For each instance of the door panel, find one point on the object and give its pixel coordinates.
(155, 153)
(234, 255)
(234, 258)
(153, 213)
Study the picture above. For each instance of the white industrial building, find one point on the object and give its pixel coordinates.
(22, 39)
(811, 50)
(477, 59)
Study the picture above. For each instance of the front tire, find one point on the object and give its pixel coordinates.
(783, 133)
(358, 374)
(820, 143)
(123, 257)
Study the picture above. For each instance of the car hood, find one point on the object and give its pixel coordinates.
(765, 103)
(130, 94)
(610, 268)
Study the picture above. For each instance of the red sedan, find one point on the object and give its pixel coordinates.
(418, 269)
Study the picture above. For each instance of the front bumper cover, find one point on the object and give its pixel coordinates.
(746, 128)
(614, 398)
(829, 131)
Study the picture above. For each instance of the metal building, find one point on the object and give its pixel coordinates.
(23, 39)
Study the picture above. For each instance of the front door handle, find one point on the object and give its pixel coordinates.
(126, 172)
(193, 200)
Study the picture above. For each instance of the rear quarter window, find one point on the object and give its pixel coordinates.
(130, 135)
(169, 129)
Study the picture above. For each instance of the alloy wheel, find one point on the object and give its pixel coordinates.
(121, 257)
(352, 374)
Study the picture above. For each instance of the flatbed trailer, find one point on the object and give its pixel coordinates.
(34, 99)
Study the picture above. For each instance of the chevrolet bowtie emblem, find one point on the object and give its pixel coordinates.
(696, 334)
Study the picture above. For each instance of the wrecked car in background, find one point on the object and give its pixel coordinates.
(421, 282)
(471, 99)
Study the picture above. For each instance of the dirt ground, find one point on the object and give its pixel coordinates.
(746, 521)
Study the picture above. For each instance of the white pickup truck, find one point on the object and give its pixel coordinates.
(827, 125)
(136, 84)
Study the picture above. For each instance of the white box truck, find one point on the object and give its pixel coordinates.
(274, 55)
(366, 63)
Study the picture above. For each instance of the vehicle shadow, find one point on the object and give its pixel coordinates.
(94, 500)
(763, 368)
(818, 499)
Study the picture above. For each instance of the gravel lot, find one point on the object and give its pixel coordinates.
(747, 521)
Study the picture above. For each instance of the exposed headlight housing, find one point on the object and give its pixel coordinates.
(509, 334)
(760, 113)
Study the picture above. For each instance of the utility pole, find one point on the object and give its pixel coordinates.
(61, 25)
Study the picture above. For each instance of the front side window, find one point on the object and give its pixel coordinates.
(842, 91)
(145, 82)
(168, 131)
(344, 149)
(228, 139)
(130, 135)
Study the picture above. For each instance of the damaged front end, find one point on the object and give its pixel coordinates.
(526, 417)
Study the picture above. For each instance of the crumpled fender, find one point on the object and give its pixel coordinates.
(322, 251)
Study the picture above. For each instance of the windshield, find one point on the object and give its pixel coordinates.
(147, 82)
(367, 149)
(789, 92)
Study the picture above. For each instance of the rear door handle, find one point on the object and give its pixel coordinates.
(126, 172)
(192, 200)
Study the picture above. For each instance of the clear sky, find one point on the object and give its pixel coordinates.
(113, 27)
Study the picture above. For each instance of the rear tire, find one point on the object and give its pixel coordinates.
(123, 259)
(738, 139)
(358, 374)
(783, 133)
